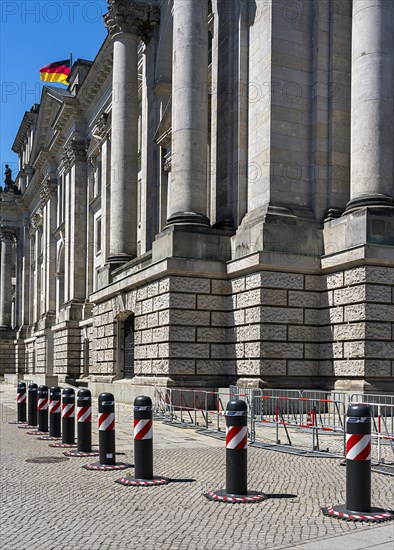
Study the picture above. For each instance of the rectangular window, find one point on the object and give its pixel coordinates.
(97, 235)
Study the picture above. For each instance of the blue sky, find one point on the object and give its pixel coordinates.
(33, 34)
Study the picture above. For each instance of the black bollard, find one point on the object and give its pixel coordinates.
(32, 405)
(143, 446)
(106, 425)
(21, 402)
(84, 425)
(84, 420)
(358, 470)
(42, 409)
(143, 438)
(358, 458)
(236, 458)
(55, 409)
(68, 416)
(68, 420)
(236, 448)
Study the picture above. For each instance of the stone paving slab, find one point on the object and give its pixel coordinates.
(62, 506)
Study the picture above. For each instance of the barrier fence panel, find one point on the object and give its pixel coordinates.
(305, 417)
(162, 407)
(297, 414)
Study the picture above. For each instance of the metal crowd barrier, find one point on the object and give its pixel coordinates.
(304, 417)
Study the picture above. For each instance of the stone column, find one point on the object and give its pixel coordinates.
(6, 238)
(76, 235)
(372, 104)
(128, 23)
(187, 202)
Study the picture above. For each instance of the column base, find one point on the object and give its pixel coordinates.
(187, 218)
(115, 260)
(360, 225)
(271, 228)
(192, 241)
(376, 201)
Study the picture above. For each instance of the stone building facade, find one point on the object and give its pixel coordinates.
(211, 201)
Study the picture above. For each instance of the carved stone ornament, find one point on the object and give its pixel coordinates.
(125, 16)
(76, 151)
(36, 221)
(47, 187)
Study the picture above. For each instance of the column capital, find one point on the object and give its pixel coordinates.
(76, 151)
(135, 18)
(8, 233)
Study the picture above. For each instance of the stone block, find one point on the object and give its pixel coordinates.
(348, 331)
(372, 312)
(248, 299)
(164, 286)
(182, 301)
(211, 334)
(238, 317)
(187, 350)
(159, 302)
(354, 349)
(252, 315)
(333, 280)
(326, 368)
(269, 367)
(190, 284)
(152, 289)
(303, 333)
(349, 367)
(249, 367)
(147, 306)
(304, 299)
(222, 351)
(182, 334)
(379, 350)
(221, 287)
(349, 295)
(281, 350)
(313, 282)
(271, 279)
(282, 315)
(379, 293)
(218, 319)
(191, 318)
(238, 285)
(377, 331)
(212, 303)
(312, 351)
(369, 274)
(303, 368)
(215, 367)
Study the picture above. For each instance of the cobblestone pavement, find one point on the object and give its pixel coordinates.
(62, 506)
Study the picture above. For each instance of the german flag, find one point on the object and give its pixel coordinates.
(56, 72)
